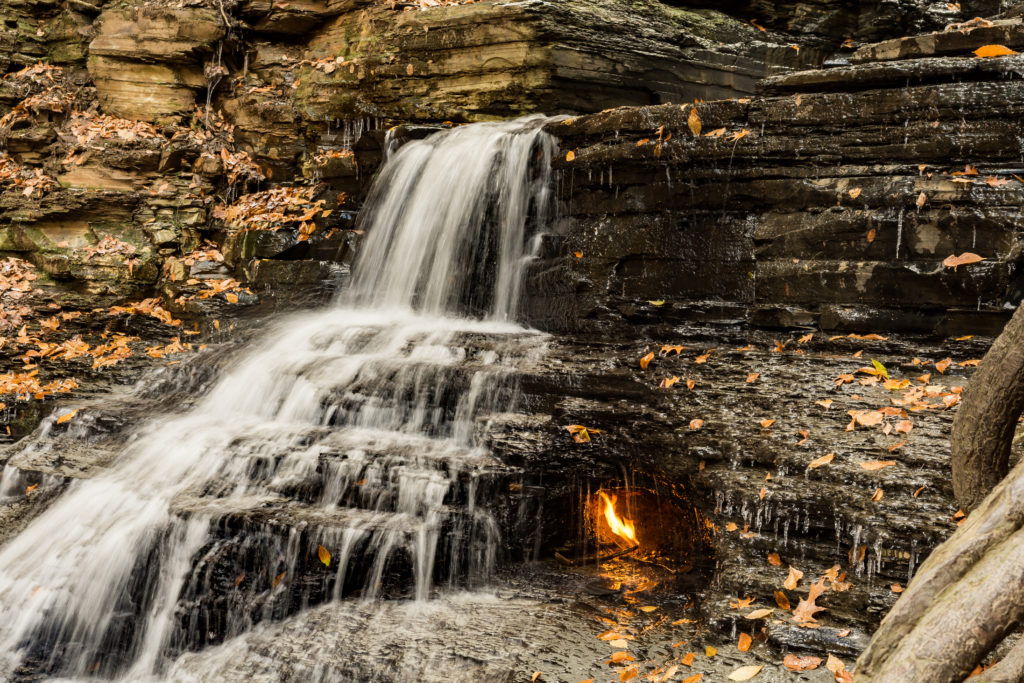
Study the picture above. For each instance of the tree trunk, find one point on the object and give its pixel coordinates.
(969, 594)
(984, 425)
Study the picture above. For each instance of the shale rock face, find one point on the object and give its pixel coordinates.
(833, 201)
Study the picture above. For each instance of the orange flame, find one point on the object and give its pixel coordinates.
(620, 526)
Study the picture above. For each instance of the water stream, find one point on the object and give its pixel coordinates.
(351, 430)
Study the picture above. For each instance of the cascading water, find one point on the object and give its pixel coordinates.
(349, 429)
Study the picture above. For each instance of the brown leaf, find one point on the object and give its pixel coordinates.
(782, 601)
(693, 121)
(741, 603)
(918, 492)
(855, 192)
(694, 678)
(687, 659)
(535, 676)
(758, 614)
(896, 446)
(794, 663)
(922, 199)
(774, 560)
(806, 608)
(838, 669)
(766, 423)
(745, 641)
(324, 555)
(793, 579)
(896, 588)
(278, 579)
(877, 495)
(871, 235)
(619, 657)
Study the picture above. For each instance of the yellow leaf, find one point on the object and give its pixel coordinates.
(648, 608)
(745, 673)
(570, 155)
(324, 555)
(710, 651)
(693, 121)
(660, 302)
(994, 51)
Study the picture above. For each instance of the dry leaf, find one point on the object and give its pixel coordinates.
(278, 579)
(619, 657)
(30, 489)
(823, 460)
(745, 641)
(877, 464)
(646, 360)
(774, 560)
(993, 51)
(766, 423)
(693, 121)
(696, 424)
(570, 155)
(896, 446)
(710, 651)
(838, 669)
(731, 526)
(943, 364)
(741, 603)
(745, 673)
(759, 613)
(794, 663)
(918, 492)
(896, 588)
(922, 199)
(871, 235)
(793, 579)
(687, 659)
(878, 495)
(324, 555)
(694, 678)
(752, 377)
(825, 403)
(953, 261)
(806, 608)
(854, 193)
(690, 384)
(669, 673)
(67, 416)
(535, 676)
(782, 601)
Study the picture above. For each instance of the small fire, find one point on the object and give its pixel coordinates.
(619, 526)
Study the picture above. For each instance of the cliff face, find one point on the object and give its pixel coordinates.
(169, 166)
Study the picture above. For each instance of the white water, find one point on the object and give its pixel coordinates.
(367, 400)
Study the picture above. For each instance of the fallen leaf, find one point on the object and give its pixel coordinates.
(278, 579)
(693, 121)
(759, 614)
(731, 526)
(578, 254)
(794, 663)
(67, 416)
(896, 588)
(842, 634)
(687, 659)
(838, 669)
(766, 423)
(774, 560)
(30, 489)
(648, 608)
(806, 608)
(993, 51)
(657, 303)
(918, 492)
(922, 199)
(716, 133)
(745, 641)
(825, 403)
(690, 384)
(741, 603)
(752, 377)
(710, 651)
(535, 676)
(646, 360)
(877, 464)
(745, 673)
(953, 261)
(904, 426)
(782, 601)
(620, 643)
(943, 364)
(694, 678)
(877, 495)
(669, 673)
(324, 555)
(696, 424)
(854, 193)
(871, 235)
(806, 338)
(896, 446)
(619, 657)
(793, 579)
(823, 460)
(570, 155)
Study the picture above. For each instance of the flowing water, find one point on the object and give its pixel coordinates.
(349, 431)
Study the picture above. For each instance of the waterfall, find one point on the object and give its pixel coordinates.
(350, 430)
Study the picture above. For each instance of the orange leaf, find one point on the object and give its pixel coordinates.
(896, 446)
(688, 658)
(904, 426)
(896, 588)
(693, 121)
(278, 579)
(696, 424)
(570, 155)
(690, 384)
(943, 364)
(825, 403)
(871, 235)
(823, 460)
(744, 643)
(794, 663)
(964, 259)
(741, 603)
(752, 377)
(838, 669)
(878, 495)
(781, 600)
(793, 579)
(758, 614)
(67, 416)
(324, 555)
(806, 609)
(774, 560)
(922, 199)
(854, 193)
(694, 678)
(766, 423)
(994, 51)
(535, 676)
(619, 657)
(646, 360)
(30, 489)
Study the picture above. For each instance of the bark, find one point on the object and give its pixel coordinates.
(984, 425)
(969, 594)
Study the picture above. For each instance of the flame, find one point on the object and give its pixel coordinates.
(619, 526)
